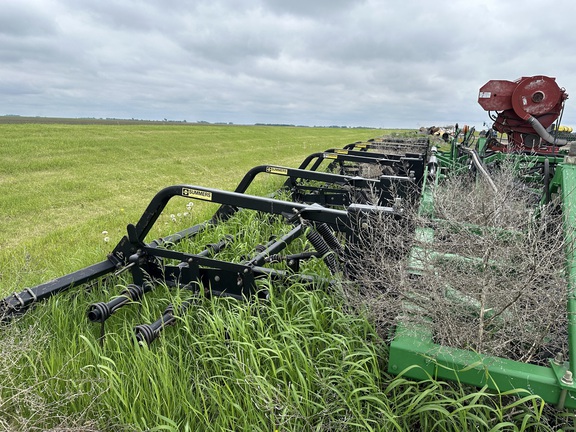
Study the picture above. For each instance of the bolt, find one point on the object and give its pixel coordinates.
(217, 278)
(567, 378)
(559, 359)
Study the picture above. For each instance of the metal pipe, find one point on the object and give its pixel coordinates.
(18, 303)
(481, 168)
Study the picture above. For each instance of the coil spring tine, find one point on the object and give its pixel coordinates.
(329, 237)
(322, 247)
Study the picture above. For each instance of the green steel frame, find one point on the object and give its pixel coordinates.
(413, 352)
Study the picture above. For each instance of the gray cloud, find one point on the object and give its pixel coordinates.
(315, 10)
(18, 20)
(372, 62)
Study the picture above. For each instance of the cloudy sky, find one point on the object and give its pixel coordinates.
(381, 63)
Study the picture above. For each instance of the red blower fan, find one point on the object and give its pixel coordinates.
(525, 109)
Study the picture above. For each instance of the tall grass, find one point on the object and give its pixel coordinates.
(297, 361)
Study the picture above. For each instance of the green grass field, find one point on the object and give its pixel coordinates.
(61, 186)
(296, 362)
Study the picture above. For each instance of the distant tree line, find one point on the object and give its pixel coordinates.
(15, 118)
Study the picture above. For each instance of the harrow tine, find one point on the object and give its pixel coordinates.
(100, 312)
(327, 254)
(147, 333)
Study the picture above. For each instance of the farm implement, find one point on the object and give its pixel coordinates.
(545, 166)
(157, 261)
(316, 233)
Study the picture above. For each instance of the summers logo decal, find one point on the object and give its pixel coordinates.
(198, 194)
(276, 170)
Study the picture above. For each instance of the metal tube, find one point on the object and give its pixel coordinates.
(276, 246)
(480, 167)
(544, 134)
(18, 302)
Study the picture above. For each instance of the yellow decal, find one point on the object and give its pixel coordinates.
(361, 146)
(198, 194)
(330, 156)
(341, 151)
(276, 170)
